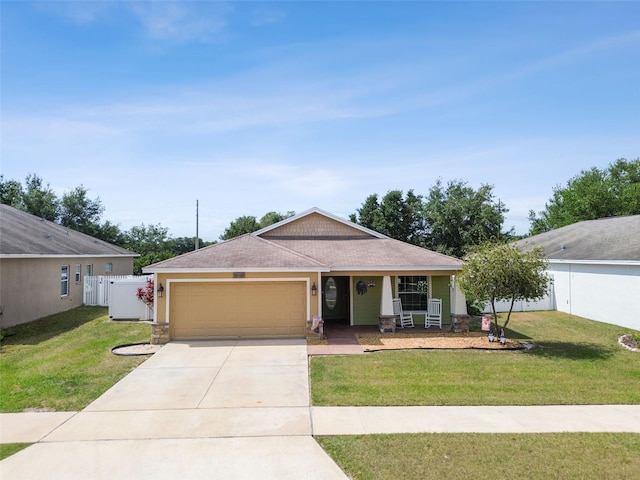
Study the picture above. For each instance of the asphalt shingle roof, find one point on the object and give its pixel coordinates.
(613, 238)
(24, 234)
(368, 252)
(254, 251)
(246, 251)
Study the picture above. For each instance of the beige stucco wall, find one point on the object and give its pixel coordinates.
(30, 287)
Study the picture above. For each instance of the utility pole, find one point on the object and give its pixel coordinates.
(197, 234)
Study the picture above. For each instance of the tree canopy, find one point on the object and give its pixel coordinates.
(458, 217)
(249, 224)
(494, 271)
(449, 220)
(77, 211)
(396, 216)
(590, 195)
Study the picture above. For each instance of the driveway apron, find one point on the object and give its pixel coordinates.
(206, 409)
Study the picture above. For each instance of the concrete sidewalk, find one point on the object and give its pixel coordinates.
(293, 421)
(475, 419)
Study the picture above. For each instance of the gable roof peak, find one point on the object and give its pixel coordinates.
(324, 213)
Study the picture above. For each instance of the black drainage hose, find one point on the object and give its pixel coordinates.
(131, 354)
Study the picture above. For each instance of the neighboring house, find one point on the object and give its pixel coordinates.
(595, 266)
(42, 265)
(270, 283)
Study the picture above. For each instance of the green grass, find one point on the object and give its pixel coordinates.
(8, 449)
(63, 362)
(575, 361)
(426, 456)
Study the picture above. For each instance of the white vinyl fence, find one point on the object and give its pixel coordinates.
(97, 288)
(545, 303)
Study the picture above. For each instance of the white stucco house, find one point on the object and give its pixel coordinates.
(595, 267)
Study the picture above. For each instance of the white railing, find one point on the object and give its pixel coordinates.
(96, 288)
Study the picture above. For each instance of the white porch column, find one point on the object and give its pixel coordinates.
(386, 305)
(458, 300)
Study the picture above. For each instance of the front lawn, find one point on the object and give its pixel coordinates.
(63, 362)
(598, 456)
(574, 361)
(8, 449)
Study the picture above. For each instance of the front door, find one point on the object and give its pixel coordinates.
(335, 300)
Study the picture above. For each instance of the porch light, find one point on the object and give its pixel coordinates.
(314, 289)
(160, 290)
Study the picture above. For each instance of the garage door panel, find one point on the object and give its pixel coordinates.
(251, 309)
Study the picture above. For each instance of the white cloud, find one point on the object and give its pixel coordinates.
(179, 21)
(77, 12)
(173, 21)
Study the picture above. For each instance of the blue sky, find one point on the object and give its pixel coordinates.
(253, 107)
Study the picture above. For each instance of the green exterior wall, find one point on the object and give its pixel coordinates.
(366, 308)
(441, 289)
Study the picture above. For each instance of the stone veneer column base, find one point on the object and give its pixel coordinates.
(159, 333)
(387, 323)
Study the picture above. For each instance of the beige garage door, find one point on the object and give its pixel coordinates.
(239, 309)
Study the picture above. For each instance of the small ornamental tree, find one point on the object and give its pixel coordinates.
(495, 272)
(145, 294)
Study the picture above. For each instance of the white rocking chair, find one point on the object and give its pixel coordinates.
(405, 319)
(434, 313)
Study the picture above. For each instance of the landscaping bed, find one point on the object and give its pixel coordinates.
(372, 342)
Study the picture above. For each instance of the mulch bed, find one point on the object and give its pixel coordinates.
(453, 341)
(630, 343)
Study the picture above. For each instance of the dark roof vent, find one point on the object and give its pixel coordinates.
(47, 236)
(563, 247)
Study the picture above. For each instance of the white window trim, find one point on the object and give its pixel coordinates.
(64, 281)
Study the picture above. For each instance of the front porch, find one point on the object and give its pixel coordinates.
(345, 340)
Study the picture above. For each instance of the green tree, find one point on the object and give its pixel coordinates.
(11, 193)
(249, 224)
(240, 226)
(152, 242)
(40, 200)
(182, 245)
(458, 217)
(395, 216)
(590, 195)
(494, 271)
(108, 232)
(369, 214)
(79, 212)
(274, 217)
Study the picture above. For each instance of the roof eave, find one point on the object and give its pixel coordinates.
(594, 262)
(66, 255)
(403, 268)
(236, 269)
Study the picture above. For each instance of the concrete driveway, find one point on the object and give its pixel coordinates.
(217, 409)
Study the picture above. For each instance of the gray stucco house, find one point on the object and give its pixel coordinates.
(42, 266)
